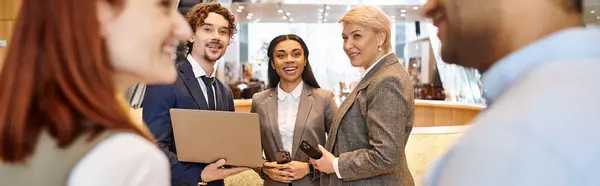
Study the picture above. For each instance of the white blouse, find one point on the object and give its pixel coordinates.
(287, 110)
(122, 160)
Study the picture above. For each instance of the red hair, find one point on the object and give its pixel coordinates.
(57, 78)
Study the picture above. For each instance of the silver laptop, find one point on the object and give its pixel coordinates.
(204, 136)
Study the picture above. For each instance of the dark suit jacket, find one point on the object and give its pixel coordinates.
(371, 128)
(185, 93)
(313, 121)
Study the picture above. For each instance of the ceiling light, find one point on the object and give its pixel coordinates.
(250, 14)
(327, 7)
(326, 14)
(320, 10)
(291, 19)
(241, 7)
(402, 15)
(593, 12)
(415, 7)
(320, 17)
(598, 17)
(239, 10)
(284, 17)
(280, 11)
(288, 14)
(393, 17)
(324, 20)
(403, 10)
(248, 17)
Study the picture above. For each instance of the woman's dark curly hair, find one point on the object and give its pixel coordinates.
(195, 17)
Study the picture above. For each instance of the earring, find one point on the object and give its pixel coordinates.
(379, 48)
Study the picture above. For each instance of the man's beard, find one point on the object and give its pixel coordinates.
(448, 51)
(208, 58)
(207, 51)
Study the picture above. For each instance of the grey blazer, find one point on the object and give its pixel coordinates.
(371, 128)
(313, 121)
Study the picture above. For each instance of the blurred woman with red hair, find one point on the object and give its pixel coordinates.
(61, 121)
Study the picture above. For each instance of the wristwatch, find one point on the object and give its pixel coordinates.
(311, 169)
(262, 174)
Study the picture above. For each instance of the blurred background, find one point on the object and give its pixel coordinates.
(414, 40)
(244, 66)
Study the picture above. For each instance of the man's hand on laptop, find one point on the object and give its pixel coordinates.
(214, 171)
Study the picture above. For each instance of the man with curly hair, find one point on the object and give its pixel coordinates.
(196, 88)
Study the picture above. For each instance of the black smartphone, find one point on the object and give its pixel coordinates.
(283, 157)
(309, 150)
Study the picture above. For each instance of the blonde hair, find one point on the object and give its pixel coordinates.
(373, 18)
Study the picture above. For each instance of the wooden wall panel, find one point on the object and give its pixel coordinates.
(431, 116)
(6, 28)
(427, 113)
(9, 9)
(8, 14)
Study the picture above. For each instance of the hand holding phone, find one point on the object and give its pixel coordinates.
(309, 150)
(283, 157)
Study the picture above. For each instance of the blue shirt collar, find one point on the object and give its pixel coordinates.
(565, 46)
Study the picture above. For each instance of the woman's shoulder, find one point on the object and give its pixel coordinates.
(127, 142)
(119, 159)
(395, 73)
(262, 94)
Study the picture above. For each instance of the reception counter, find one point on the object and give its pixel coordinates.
(427, 113)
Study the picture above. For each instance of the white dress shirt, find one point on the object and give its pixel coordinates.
(199, 72)
(287, 110)
(362, 75)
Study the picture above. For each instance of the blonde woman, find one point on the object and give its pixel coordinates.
(370, 129)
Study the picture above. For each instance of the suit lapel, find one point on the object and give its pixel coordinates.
(341, 112)
(306, 101)
(364, 82)
(272, 113)
(191, 82)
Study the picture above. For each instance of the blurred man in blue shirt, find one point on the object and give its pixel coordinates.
(541, 72)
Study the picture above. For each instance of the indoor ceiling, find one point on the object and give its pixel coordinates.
(246, 11)
(312, 13)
